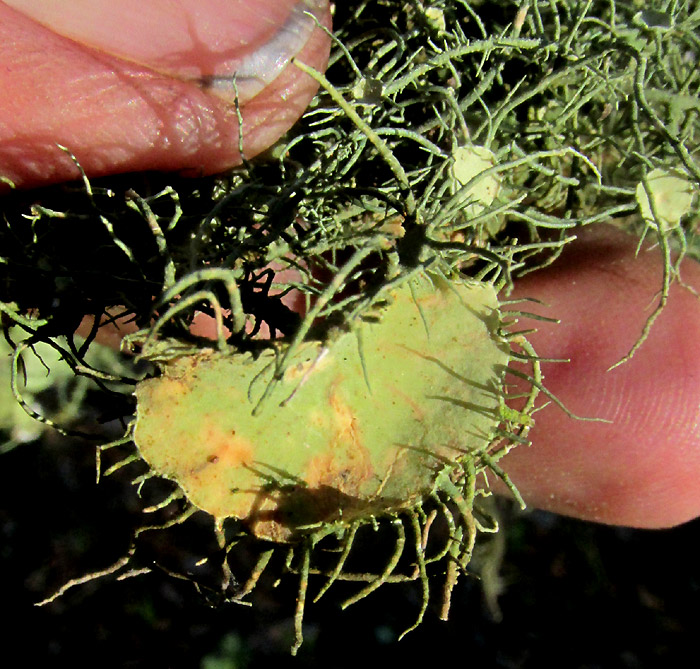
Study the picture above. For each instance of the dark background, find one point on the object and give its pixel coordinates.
(577, 595)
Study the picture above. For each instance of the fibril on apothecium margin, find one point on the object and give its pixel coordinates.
(453, 146)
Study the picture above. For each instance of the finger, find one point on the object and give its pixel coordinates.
(643, 468)
(148, 86)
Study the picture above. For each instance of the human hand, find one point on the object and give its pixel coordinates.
(132, 86)
(642, 468)
(117, 115)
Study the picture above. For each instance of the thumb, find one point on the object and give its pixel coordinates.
(642, 468)
(132, 86)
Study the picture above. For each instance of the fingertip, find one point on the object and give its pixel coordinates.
(149, 112)
(642, 469)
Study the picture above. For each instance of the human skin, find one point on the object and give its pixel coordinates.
(641, 468)
(136, 110)
(125, 97)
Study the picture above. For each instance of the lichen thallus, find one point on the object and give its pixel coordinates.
(391, 421)
(392, 417)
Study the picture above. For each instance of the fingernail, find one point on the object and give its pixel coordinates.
(224, 46)
(250, 74)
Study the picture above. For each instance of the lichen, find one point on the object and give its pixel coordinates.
(468, 141)
(357, 426)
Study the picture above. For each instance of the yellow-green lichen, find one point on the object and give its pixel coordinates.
(356, 427)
